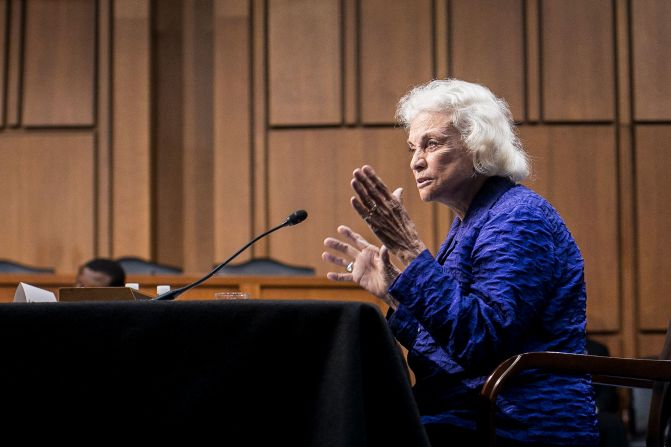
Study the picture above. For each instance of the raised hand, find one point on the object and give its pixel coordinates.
(385, 214)
(366, 265)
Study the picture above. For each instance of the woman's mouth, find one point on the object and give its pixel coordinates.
(422, 182)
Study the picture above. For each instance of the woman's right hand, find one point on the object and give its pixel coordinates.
(385, 214)
(371, 267)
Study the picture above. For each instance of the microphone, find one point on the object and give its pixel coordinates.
(294, 218)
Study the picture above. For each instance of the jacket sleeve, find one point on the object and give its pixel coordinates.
(475, 312)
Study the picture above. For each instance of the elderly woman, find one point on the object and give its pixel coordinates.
(507, 279)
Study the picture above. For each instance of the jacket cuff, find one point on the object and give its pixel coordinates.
(404, 326)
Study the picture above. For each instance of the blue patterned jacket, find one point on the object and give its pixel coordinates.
(508, 279)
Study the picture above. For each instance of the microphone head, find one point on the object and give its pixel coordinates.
(297, 217)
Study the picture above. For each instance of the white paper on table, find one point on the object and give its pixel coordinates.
(25, 293)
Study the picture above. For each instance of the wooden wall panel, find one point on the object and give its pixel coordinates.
(613, 342)
(653, 219)
(198, 136)
(47, 210)
(232, 139)
(3, 57)
(533, 62)
(650, 345)
(626, 178)
(312, 169)
(59, 63)
(304, 62)
(575, 168)
(396, 53)
(259, 119)
(651, 52)
(350, 47)
(578, 70)
(14, 67)
(103, 132)
(479, 54)
(131, 191)
(168, 132)
(441, 40)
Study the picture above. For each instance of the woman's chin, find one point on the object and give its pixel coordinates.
(425, 196)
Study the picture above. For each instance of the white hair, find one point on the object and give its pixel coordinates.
(483, 121)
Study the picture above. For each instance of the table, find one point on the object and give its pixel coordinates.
(295, 373)
(258, 287)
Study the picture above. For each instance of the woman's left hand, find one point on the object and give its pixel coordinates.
(385, 214)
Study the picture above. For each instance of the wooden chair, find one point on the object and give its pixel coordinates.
(642, 373)
(139, 266)
(265, 267)
(7, 266)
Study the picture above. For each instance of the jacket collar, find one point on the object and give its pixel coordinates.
(486, 197)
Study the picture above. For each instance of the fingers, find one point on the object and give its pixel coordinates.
(368, 255)
(369, 188)
(359, 241)
(384, 255)
(359, 207)
(342, 247)
(329, 257)
(376, 182)
(373, 201)
(362, 194)
(333, 276)
(398, 195)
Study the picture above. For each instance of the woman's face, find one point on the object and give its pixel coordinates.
(442, 166)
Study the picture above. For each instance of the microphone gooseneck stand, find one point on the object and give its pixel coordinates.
(295, 218)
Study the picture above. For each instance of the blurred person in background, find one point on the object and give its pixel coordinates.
(101, 272)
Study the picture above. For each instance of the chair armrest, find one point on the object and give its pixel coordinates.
(604, 370)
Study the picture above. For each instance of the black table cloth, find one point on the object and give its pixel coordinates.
(237, 372)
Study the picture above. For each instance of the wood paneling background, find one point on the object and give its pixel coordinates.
(578, 54)
(51, 220)
(395, 52)
(59, 61)
(576, 169)
(177, 129)
(480, 55)
(300, 92)
(131, 127)
(3, 77)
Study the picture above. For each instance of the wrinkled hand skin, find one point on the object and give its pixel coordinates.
(372, 269)
(390, 220)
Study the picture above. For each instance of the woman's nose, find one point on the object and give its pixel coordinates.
(417, 163)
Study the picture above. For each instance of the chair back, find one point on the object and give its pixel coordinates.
(7, 266)
(643, 373)
(138, 266)
(660, 403)
(265, 267)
